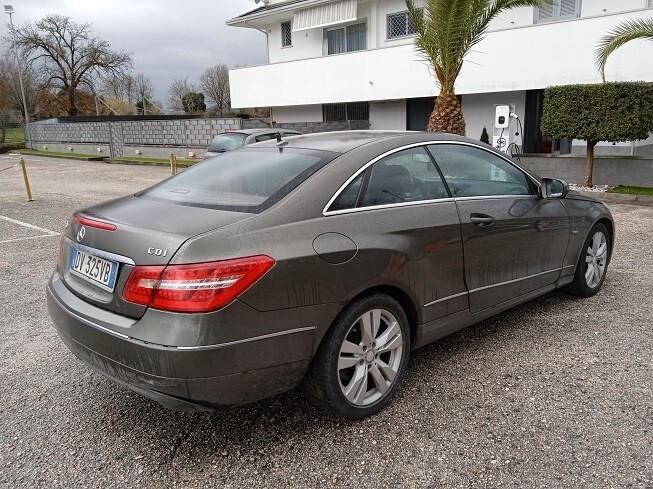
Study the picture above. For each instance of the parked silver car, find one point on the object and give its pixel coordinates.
(230, 140)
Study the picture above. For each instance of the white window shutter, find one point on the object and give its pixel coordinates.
(569, 8)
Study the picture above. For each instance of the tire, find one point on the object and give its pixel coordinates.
(583, 286)
(358, 378)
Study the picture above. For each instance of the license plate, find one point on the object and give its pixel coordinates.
(94, 269)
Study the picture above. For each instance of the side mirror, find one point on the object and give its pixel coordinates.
(553, 188)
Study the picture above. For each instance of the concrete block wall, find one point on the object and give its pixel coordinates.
(180, 132)
(158, 137)
(68, 132)
(608, 170)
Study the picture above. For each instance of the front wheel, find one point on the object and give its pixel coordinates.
(592, 264)
(361, 359)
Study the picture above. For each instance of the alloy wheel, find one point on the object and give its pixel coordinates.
(370, 357)
(596, 259)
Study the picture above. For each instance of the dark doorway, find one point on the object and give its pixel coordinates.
(418, 111)
(534, 142)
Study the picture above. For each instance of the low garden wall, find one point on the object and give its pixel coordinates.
(608, 170)
(155, 137)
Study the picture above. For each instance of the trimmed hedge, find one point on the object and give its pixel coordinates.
(613, 112)
(6, 147)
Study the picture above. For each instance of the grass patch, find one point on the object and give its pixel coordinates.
(623, 189)
(60, 154)
(15, 135)
(146, 159)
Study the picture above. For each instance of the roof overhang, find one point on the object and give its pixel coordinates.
(278, 8)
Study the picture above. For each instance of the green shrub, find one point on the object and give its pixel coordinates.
(485, 137)
(612, 112)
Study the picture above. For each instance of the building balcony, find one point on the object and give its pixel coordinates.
(521, 58)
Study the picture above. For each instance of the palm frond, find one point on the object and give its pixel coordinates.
(448, 29)
(621, 34)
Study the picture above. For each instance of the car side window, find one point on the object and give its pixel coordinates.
(405, 176)
(348, 197)
(472, 172)
(265, 137)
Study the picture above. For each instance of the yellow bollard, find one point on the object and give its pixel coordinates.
(172, 164)
(27, 187)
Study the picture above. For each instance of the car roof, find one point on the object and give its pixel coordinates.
(259, 130)
(344, 141)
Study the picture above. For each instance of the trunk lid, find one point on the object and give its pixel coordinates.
(148, 232)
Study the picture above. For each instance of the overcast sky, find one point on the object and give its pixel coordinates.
(167, 39)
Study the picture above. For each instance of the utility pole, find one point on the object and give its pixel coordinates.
(10, 11)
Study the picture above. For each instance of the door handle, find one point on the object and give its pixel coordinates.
(481, 219)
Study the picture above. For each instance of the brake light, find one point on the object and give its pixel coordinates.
(94, 223)
(196, 287)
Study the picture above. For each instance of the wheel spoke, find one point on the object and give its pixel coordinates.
(351, 348)
(596, 240)
(597, 275)
(590, 251)
(602, 251)
(357, 386)
(388, 335)
(379, 380)
(347, 362)
(387, 371)
(370, 324)
(393, 344)
(589, 259)
(589, 273)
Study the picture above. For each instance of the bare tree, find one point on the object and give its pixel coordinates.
(144, 92)
(177, 91)
(215, 84)
(10, 97)
(69, 55)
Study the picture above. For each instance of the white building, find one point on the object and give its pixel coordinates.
(355, 59)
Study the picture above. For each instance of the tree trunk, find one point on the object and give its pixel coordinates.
(72, 106)
(589, 164)
(447, 115)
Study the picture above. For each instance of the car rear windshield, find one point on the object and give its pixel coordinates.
(227, 142)
(247, 180)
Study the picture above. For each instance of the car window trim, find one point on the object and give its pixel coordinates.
(327, 212)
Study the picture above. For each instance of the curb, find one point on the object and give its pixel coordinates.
(145, 163)
(615, 198)
(66, 157)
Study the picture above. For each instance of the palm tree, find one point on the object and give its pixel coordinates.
(446, 32)
(621, 34)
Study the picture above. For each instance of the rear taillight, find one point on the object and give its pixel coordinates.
(197, 287)
(94, 223)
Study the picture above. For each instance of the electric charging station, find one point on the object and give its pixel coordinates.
(506, 126)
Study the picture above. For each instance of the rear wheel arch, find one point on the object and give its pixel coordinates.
(402, 297)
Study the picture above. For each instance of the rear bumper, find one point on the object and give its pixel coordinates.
(185, 378)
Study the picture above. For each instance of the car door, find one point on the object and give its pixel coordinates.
(514, 242)
(406, 228)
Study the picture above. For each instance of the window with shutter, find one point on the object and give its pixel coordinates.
(558, 9)
(286, 35)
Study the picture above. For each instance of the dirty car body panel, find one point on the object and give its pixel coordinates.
(421, 248)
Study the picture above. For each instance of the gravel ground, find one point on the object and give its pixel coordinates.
(554, 393)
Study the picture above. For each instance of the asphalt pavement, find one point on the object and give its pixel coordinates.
(554, 393)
